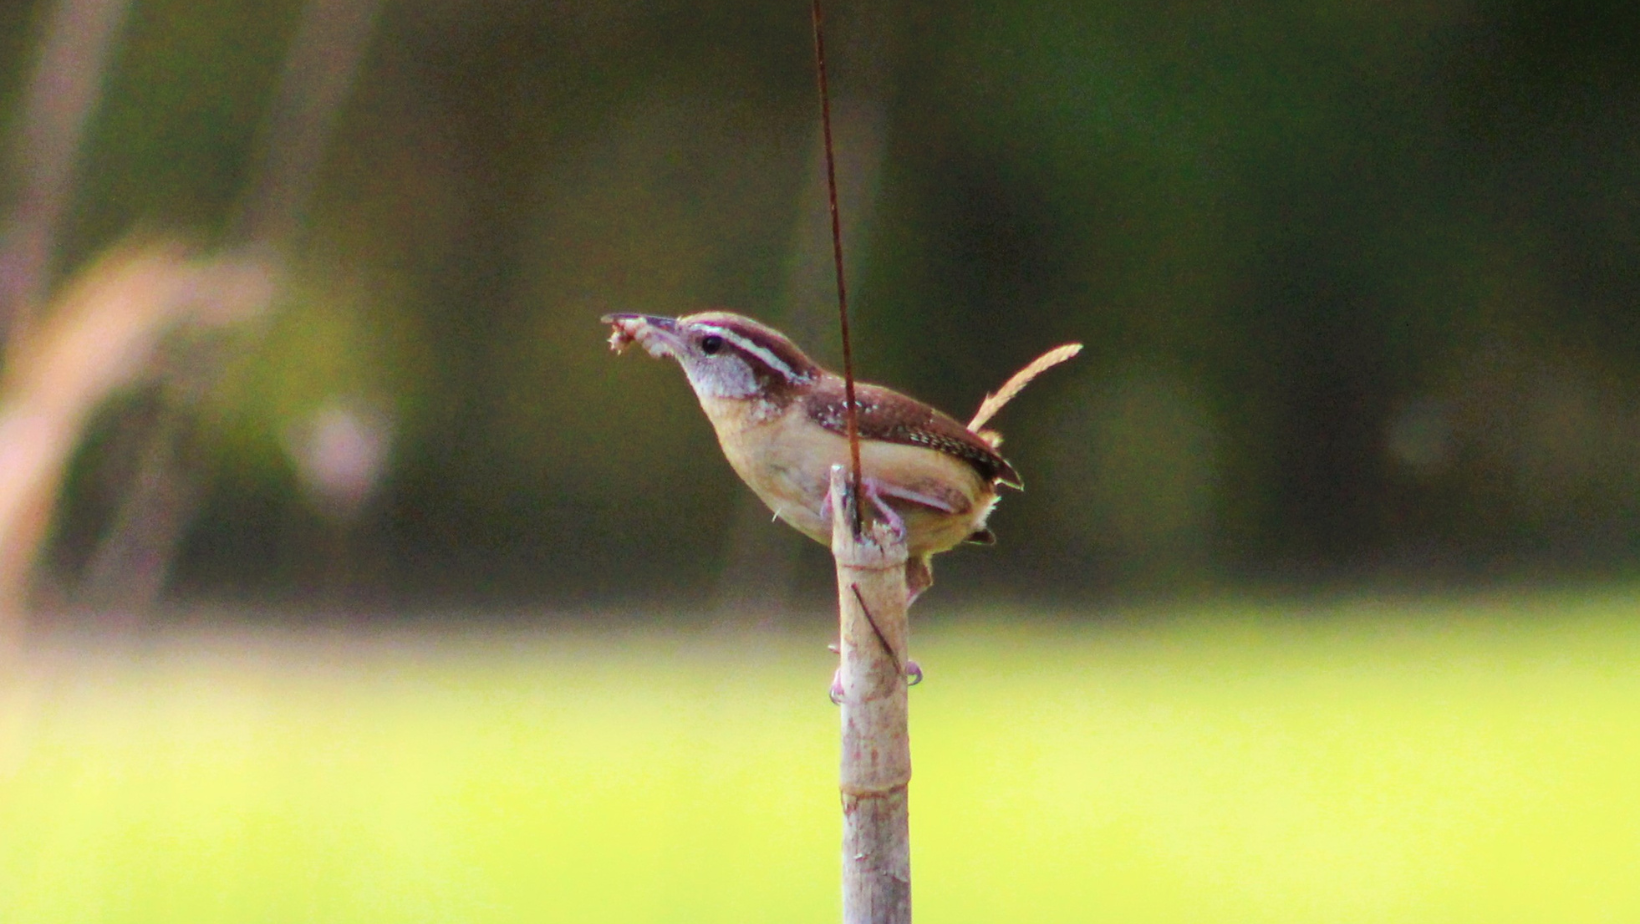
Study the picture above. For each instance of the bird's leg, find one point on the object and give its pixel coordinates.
(881, 489)
(880, 492)
(889, 514)
(919, 570)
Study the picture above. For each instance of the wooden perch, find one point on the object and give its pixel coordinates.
(871, 691)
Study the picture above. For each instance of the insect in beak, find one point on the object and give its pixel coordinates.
(657, 335)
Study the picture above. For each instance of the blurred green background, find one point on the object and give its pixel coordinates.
(1318, 606)
(1357, 281)
(1374, 761)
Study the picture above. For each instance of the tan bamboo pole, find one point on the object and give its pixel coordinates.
(871, 691)
(872, 637)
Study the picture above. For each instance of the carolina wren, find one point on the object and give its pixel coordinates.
(781, 420)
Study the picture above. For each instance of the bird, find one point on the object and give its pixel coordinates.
(782, 422)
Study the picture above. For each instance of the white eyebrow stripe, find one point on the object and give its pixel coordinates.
(756, 349)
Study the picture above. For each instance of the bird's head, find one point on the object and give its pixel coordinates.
(725, 355)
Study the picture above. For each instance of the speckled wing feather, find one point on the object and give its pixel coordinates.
(893, 418)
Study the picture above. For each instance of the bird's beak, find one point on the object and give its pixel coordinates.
(657, 335)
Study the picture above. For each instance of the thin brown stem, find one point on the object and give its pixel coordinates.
(852, 415)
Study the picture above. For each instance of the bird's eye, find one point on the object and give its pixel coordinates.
(710, 344)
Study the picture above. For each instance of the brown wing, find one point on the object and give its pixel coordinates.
(893, 418)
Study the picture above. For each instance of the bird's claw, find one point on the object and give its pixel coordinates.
(874, 493)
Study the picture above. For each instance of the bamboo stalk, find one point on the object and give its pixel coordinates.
(871, 691)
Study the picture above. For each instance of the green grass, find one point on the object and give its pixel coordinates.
(1435, 761)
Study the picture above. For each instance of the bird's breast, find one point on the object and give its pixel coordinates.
(786, 460)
